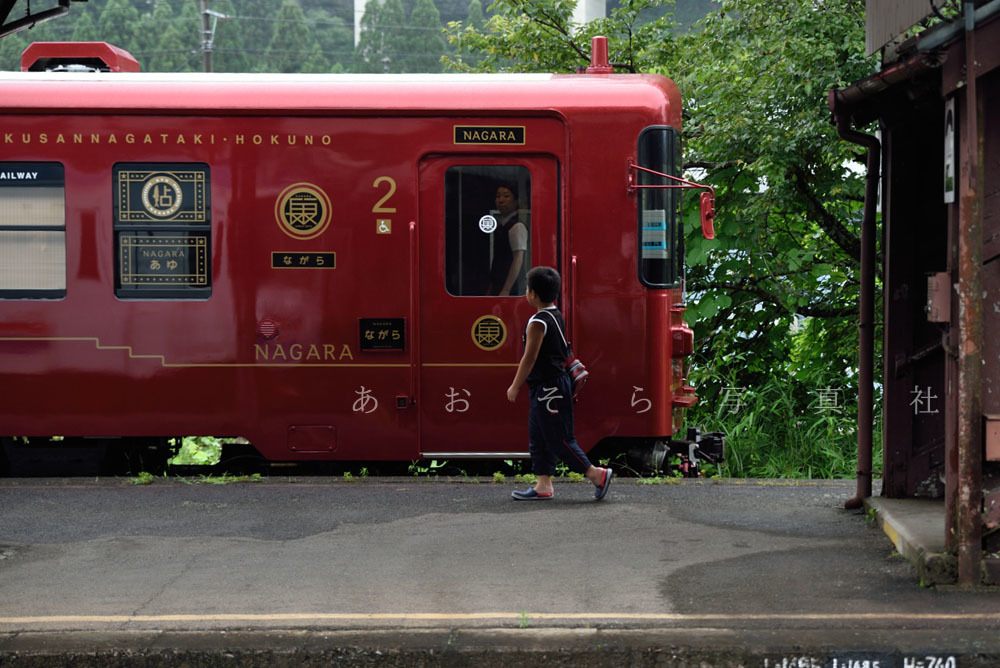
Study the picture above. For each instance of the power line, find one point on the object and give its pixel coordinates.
(65, 27)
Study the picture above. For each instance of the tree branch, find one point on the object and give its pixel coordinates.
(705, 164)
(815, 311)
(834, 229)
(553, 24)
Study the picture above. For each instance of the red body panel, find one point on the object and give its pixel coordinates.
(43, 56)
(92, 364)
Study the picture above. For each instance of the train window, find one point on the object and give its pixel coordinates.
(660, 238)
(487, 229)
(32, 230)
(162, 225)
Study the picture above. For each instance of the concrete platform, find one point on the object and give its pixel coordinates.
(453, 572)
(917, 529)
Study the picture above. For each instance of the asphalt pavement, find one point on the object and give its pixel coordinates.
(415, 571)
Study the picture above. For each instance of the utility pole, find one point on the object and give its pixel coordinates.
(206, 37)
(208, 34)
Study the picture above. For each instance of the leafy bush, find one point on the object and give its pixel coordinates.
(784, 428)
(197, 450)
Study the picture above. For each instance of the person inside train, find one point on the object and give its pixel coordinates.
(510, 245)
(550, 413)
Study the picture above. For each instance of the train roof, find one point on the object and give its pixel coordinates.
(307, 94)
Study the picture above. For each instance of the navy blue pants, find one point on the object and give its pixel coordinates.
(550, 429)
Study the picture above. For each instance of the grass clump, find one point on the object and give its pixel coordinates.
(785, 428)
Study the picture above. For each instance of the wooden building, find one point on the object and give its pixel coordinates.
(936, 99)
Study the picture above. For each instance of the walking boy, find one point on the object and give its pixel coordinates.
(550, 419)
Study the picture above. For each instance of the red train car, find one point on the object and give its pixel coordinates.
(304, 260)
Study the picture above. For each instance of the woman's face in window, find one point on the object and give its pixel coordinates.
(506, 202)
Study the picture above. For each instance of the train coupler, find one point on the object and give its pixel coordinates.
(683, 456)
(698, 447)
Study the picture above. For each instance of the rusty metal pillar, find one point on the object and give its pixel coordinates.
(968, 520)
(866, 315)
(866, 325)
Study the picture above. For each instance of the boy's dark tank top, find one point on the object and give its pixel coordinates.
(549, 365)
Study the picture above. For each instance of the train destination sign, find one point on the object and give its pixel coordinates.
(383, 333)
(162, 260)
(295, 260)
(489, 134)
(37, 174)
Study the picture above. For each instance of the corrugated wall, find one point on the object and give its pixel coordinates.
(887, 19)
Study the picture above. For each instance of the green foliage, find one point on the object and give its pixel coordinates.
(475, 18)
(383, 31)
(424, 45)
(659, 480)
(121, 19)
(166, 35)
(789, 207)
(787, 427)
(144, 478)
(226, 479)
(170, 53)
(197, 451)
(425, 468)
(291, 30)
(539, 36)
(686, 13)
(562, 471)
(773, 300)
(334, 36)
(84, 29)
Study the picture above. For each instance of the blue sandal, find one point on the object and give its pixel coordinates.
(531, 495)
(602, 489)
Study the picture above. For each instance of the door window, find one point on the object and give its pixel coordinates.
(487, 229)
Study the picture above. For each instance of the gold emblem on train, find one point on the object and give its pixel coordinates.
(162, 196)
(489, 332)
(303, 211)
(146, 193)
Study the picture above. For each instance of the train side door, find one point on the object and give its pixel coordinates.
(478, 216)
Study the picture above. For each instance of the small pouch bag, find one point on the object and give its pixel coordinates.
(578, 373)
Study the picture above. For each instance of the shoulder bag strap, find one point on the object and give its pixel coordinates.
(566, 346)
